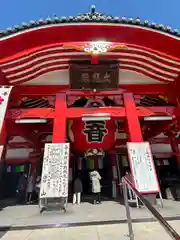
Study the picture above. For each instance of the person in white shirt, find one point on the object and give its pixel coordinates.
(96, 186)
(30, 189)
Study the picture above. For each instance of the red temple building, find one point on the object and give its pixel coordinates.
(95, 81)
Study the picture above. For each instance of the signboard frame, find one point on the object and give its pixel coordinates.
(89, 72)
(147, 145)
(48, 147)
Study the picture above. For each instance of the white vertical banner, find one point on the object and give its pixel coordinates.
(142, 167)
(4, 98)
(55, 172)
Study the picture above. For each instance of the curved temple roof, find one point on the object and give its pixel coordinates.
(32, 50)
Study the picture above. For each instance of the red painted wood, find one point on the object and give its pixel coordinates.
(173, 90)
(30, 113)
(24, 43)
(94, 59)
(72, 113)
(44, 90)
(154, 128)
(18, 161)
(134, 128)
(114, 112)
(3, 79)
(175, 148)
(4, 134)
(59, 127)
(120, 142)
(159, 111)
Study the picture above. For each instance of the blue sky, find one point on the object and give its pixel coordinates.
(14, 12)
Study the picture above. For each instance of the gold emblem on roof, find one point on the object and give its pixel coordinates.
(95, 47)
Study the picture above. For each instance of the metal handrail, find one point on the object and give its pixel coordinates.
(173, 234)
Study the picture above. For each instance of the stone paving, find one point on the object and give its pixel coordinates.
(22, 216)
(142, 231)
(2, 234)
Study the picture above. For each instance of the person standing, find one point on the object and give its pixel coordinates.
(21, 188)
(96, 186)
(78, 188)
(37, 188)
(30, 189)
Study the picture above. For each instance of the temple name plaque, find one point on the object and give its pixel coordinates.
(54, 179)
(101, 76)
(142, 167)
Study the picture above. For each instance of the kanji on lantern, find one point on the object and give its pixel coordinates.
(95, 131)
(92, 134)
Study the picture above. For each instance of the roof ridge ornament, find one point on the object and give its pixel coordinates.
(90, 17)
(93, 9)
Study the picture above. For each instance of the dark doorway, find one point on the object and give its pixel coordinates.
(11, 177)
(105, 170)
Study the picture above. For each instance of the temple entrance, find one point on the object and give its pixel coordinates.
(10, 179)
(84, 166)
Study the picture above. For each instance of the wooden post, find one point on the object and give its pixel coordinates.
(59, 128)
(135, 134)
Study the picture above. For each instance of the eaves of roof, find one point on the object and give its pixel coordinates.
(91, 17)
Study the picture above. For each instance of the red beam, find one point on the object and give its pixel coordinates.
(45, 90)
(18, 161)
(20, 145)
(30, 113)
(143, 89)
(152, 141)
(144, 111)
(97, 93)
(115, 112)
(160, 141)
(3, 79)
(14, 145)
(155, 128)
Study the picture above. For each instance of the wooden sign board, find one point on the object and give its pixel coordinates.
(88, 76)
(55, 172)
(142, 167)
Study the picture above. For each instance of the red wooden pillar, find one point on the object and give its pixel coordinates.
(33, 167)
(3, 142)
(175, 148)
(3, 134)
(59, 128)
(134, 129)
